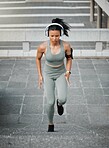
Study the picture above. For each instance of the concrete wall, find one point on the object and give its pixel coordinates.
(26, 36)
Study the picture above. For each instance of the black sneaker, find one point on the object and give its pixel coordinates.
(50, 128)
(60, 109)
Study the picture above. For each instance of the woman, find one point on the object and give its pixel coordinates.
(56, 73)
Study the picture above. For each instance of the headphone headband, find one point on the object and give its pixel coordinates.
(53, 24)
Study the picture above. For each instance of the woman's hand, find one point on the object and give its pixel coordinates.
(40, 82)
(67, 76)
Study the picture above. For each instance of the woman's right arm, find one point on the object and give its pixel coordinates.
(39, 55)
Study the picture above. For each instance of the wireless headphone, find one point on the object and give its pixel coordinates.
(53, 24)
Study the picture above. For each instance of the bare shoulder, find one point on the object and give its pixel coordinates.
(66, 45)
(42, 47)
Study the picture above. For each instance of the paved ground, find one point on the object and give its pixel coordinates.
(86, 123)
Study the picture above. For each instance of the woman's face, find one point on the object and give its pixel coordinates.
(54, 36)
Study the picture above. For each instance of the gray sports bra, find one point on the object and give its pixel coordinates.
(55, 59)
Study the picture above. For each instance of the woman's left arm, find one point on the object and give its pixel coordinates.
(69, 57)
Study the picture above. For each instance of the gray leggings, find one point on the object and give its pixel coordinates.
(49, 87)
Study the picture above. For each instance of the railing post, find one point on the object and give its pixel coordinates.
(99, 46)
(99, 17)
(107, 21)
(92, 4)
(26, 46)
(107, 45)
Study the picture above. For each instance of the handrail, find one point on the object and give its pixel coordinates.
(104, 4)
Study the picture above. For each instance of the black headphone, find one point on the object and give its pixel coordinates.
(52, 24)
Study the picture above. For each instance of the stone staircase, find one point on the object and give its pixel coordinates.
(21, 14)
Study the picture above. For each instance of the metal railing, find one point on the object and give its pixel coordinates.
(104, 4)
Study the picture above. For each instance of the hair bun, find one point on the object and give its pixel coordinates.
(57, 20)
(64, 25)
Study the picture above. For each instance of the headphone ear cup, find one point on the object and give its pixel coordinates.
(46, 32)
(62, 32)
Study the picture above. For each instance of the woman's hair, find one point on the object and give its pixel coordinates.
(65, 26)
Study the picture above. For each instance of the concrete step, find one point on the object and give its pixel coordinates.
(36, 25)
(45, 11)
(45, 7)
(38, 22)
(23, 4)
(43, 19)
(18, 14)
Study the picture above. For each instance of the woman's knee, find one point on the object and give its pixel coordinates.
(62, 100)
(50, 103)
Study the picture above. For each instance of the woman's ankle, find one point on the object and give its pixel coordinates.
(51, 123)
